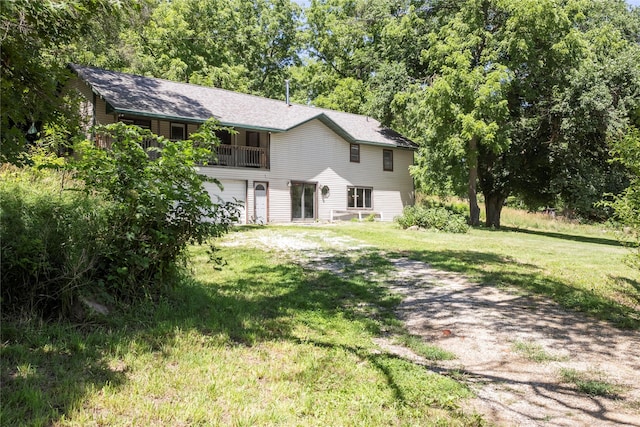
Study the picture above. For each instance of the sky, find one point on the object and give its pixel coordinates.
(634, 2)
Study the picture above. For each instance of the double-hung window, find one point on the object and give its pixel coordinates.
(359, 197)
(354, 155)
(224, 137)
(387, 160)
(253, 139)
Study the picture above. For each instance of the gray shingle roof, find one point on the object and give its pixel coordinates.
(147, 96)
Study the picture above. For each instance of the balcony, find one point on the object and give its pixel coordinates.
(237, 156)
(241, 157)
(104, 141)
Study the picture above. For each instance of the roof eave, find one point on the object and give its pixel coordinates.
(382, 144)
(192, 120)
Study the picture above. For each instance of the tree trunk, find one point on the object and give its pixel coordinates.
(474, 210)
(493, 209)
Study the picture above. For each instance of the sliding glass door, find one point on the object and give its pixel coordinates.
(303, 201)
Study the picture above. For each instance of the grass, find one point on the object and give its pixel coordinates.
(263, 342)
(592, 383)
(581, 267)
(421, 348)
(534, 352)
(266, 342)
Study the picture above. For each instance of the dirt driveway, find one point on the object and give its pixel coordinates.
(512, 350)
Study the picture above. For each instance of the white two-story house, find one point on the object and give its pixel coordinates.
(285, 162)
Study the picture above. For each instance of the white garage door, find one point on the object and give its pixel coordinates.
(233, 189)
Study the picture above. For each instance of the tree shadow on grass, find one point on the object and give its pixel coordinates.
(48, 369)
(565, 236)
(45, 370)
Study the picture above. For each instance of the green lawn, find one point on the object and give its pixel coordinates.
(265, 342)
(581, 267)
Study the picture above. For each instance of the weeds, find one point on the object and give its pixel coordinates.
(592, 383)
(534, 352)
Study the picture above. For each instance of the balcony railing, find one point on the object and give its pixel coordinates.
(241, 156)
(104, 141)
(226, 155)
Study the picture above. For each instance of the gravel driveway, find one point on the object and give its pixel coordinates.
(488, 328)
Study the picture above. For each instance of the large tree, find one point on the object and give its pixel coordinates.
(33, 39)
(240, 45)
(522, 102)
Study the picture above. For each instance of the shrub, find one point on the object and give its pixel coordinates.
(159, 202)
(119, 228)
(437, 218)
(50, 240)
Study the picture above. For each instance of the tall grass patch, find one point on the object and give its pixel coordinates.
(50, 240)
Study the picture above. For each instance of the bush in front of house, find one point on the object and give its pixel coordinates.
(160, 204)
(436, 218)
(112, 224)
(50, 238)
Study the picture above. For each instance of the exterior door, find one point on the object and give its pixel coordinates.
(303, 201)
(260, 200)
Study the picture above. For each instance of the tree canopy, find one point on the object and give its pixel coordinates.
(505, 98)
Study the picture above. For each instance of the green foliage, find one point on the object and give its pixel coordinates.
(159, 205)
(438, 218)
(627, 204)
(239, 45)
(33, 65)
(50, 238)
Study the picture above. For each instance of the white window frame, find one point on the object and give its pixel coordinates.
(359, 197)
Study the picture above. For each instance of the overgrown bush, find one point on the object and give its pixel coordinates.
(50, 239)
(159, 202)
(437, 218)
(114, 223)
(627, 204)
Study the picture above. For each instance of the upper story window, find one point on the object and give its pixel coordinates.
(387, 160)
(354, 153)
(143, 123)
(253, 139)
(224, 137)
(178, 131)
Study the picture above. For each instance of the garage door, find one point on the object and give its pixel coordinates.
(233, 189)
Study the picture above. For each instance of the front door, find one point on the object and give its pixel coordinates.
(260, 197)
(303, 201)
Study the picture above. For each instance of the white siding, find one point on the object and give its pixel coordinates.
(314, 153)
(233, 190)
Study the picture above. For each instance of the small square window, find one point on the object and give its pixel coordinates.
(253, 139)
(355, 153)
(178, 131)
(387, 160)
(224, 137)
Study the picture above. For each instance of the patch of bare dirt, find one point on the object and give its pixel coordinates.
(482, 324)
